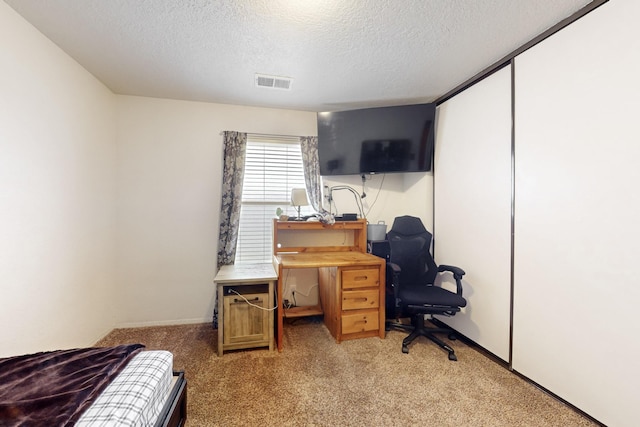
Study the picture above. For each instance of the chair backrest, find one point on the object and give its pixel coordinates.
(410, 245)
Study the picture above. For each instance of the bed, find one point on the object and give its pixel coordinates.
(92, 387)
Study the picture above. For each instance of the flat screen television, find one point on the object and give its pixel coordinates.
(376, 140)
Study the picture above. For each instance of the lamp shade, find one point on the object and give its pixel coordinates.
(299, 197)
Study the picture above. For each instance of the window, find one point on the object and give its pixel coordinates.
(273, 166)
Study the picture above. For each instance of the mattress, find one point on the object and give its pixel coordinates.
(136, 396)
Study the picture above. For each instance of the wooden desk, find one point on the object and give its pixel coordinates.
(241, 325)
(351, 281)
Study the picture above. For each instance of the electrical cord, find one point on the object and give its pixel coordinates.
(355, 194)
(309, 292)
(293, 293)
(252, 304)
(286, 304)
(376, 199)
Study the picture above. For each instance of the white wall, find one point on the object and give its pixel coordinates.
(57, 196)
(577, 237)
(387, 196)
(110, 204)
(169, 182)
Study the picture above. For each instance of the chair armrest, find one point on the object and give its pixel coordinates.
(395, 268)
(457, 271)
(457, 274)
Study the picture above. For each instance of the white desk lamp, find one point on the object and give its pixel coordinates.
(299, 198)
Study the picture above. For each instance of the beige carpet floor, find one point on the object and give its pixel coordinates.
(367, 382)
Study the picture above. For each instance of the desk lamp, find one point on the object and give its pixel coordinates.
(298, 199)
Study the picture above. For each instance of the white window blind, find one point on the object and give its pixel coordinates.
(273, 166)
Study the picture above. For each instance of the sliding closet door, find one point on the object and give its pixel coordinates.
(472, 203)
(577, 213)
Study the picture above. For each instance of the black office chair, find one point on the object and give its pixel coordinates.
(411, 274)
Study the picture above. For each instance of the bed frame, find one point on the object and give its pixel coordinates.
(174, 412)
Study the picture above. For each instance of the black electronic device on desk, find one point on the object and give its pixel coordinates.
(347, 217)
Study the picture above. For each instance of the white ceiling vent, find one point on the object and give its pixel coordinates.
(273, 82)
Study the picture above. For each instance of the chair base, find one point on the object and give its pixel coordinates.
(418, 329)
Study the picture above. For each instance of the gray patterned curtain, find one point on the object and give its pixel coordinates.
(235, 147)
(311, 165)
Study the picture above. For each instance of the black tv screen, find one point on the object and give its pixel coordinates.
(376, 140)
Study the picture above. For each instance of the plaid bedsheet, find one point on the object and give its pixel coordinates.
(136, 396)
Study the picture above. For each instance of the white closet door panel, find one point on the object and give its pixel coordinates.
(577, 235)
(472, 200)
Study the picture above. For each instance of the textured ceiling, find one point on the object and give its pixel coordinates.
(340, 54)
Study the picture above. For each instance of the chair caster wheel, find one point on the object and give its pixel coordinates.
(405, 349)
(452, 357)
(452, 337)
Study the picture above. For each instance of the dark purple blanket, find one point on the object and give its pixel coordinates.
(54, 388)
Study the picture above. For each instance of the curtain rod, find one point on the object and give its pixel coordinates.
(267, 135)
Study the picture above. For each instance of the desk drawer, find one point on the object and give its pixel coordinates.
(360, 278)
(355, 300)
(360, 322)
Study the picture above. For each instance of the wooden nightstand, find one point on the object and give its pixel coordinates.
(245, 304)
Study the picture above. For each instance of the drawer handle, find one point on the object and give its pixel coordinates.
(256, 299)
(363, 299)
(365, 277)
